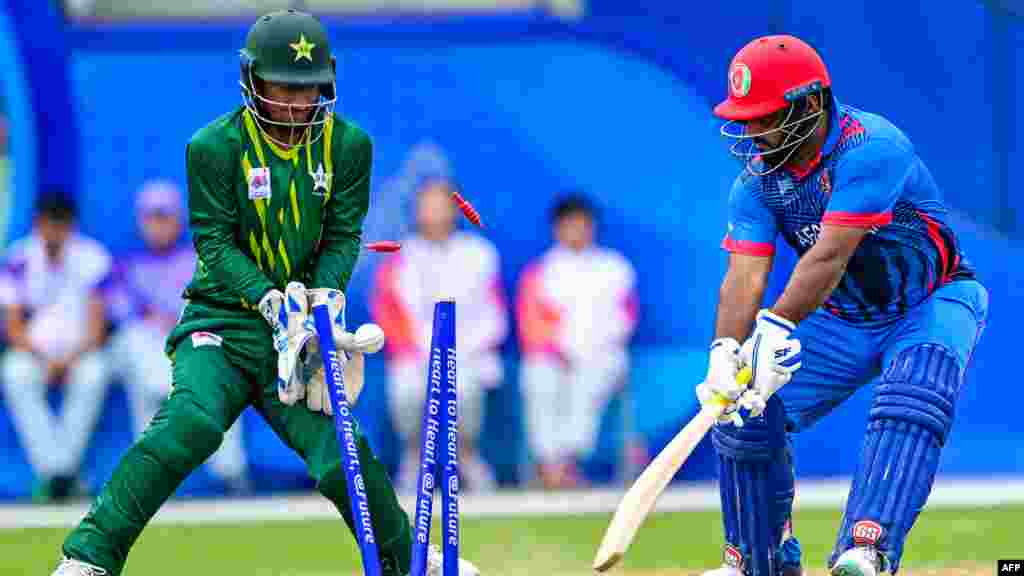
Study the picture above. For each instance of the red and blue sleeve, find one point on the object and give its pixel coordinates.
(868, 182)
(752, 226)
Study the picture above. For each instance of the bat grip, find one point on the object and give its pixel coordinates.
(721, 403)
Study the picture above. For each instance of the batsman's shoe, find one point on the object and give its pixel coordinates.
(72, 567)
(435, 564)
(732, 562)
(860, 561)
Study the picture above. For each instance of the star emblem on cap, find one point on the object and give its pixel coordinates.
(303, 48)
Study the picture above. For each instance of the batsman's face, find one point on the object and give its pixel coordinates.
(764, 130)
(575, 231)
(289, 102)
(160, 230)
(435, 212)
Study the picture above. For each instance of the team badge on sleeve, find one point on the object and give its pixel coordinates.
(259, 183)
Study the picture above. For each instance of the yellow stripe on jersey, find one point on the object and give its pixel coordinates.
(295, 204)
(309, 152)
(284, 257)
(289, 154)
(246, 166)
(271, 262)
(261, 203)
(254, 247)
(328, 159)
(261, 211)
(254, 136)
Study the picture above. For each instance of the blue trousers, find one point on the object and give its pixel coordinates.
(917, 389)
(840, 357)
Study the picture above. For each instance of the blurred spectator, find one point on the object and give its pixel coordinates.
(55, 319)
(440, 262)
(146, 301)
(576, 307)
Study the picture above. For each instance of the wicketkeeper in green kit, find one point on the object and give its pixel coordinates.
(278, 190)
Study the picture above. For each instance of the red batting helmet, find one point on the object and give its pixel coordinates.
(770, 73)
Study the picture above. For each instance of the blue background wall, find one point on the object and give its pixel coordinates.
(617, 104)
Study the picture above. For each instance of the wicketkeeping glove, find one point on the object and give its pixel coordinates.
(292, 329)
(367, 339)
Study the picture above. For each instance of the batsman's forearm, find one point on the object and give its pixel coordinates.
(738, 303)
(809, 286)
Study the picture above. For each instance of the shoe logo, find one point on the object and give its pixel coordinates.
(867, 533)
(732, 557)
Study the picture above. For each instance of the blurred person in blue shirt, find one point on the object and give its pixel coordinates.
(145, 300)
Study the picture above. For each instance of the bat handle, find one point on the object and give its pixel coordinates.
(721, 403)
(745, 376)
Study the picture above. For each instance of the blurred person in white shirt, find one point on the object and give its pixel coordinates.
(51, 291)
(145, 301)
(435, 263)
(576, 309)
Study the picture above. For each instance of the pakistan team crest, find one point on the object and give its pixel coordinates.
(321, 180)
(303, 48)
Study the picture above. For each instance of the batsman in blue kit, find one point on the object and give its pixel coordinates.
(881, 293)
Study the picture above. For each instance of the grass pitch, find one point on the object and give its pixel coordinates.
(945, 542)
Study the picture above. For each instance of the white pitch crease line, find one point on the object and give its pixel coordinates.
(947, 493)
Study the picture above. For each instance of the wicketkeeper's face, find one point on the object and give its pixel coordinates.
(289, 102)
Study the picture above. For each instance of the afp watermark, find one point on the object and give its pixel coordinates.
(1009, 567)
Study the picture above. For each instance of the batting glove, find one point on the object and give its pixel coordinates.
(773, 355)
(723, 366)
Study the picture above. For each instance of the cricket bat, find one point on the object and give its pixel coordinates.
(639, 500)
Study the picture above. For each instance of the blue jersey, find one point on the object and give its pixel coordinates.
(867, 175)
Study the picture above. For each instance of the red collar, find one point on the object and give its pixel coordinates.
(801, 172)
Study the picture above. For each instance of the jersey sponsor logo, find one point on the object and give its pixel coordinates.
(259, 183)
(807, 235)
(867, 533)
(200, 339)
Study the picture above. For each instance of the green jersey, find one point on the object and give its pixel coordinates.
(262, 216)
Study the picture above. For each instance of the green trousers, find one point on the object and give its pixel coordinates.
(211, 388)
